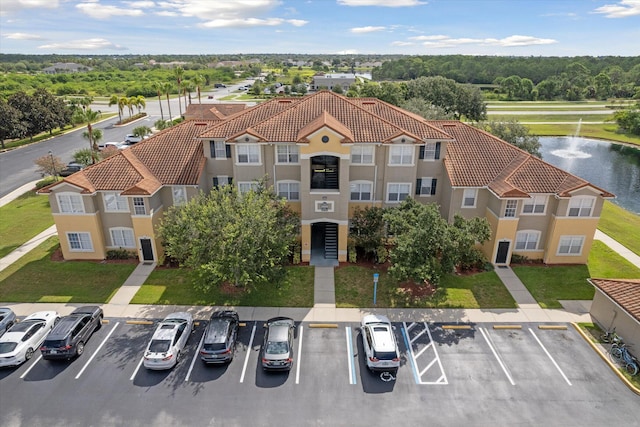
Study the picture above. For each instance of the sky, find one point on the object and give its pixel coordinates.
(409, 27)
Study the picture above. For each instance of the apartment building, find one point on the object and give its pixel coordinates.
(328, 154)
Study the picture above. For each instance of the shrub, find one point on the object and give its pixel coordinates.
(121, 254)
(46, 181)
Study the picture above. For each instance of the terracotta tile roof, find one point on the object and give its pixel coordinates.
(478, 159)
(626, 293)
(171, 157)
(325, 119)
(212, 111)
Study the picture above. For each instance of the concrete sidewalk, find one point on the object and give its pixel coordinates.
(617, 247)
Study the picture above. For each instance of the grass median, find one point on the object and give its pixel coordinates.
(22, 219)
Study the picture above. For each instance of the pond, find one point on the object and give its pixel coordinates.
(612, 167)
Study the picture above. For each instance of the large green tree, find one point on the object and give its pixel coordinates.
(459, 100)
(426, 246)
(10, 124)
(228, 237)
(514, 133)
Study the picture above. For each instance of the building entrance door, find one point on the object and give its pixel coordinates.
(503, 252)
(147, 250)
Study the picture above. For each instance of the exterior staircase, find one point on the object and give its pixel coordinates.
(331, 241)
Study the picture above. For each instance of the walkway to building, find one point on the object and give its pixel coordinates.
(324, 308)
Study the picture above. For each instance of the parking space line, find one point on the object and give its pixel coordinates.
(352, 370)
(423, 349)
(550, 357)
(246, 359)
(31, 367)
(97, 350)
(443, 378)
(495, 354)
(405, 336)
(427, 368)
(195, 357)
(137, 367)
(299, 356)
(420, 334)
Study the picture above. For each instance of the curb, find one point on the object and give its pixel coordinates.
(604, 357)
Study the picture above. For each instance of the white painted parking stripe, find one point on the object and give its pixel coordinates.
(423, 349)
(31, 367)
(246, 359)
(299, 356)
(97, 350)
(443, 378)
(350, 357)
(495, 354)
(419, 335)
(405, 334)
(137, 367)
(195, 357)
(549, 356)
(427, 368)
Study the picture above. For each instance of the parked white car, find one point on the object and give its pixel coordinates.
(168, 341)
(24, 338)
(379, 342)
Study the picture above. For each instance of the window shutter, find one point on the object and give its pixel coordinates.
(421, 155)
(437, 150)
(229, 180)
(215, 181)
(227, 149)
(418, 183)
(212, 147)
(433, 185)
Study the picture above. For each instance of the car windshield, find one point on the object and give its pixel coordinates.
(277, 347)
(7, 347)
(23, 326)
(159, 346)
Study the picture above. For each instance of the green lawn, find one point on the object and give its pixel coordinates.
(604, 263)
(174, 286)
(548, 284)
(354, 288)
(621, 225)
(23, 219)
(36, 278)
(527, 117)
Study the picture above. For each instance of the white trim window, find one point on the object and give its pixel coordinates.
(426, 186)
(287, 154)
(70, 203)
(245, 187)
(527, 240)
(219, 150)
(510, 208)
(469, 197)
(248, 154)
(179, 194)
(534, 205)
(79, 242)
(401, 155)
(430, 151)
(114, 202)
(398, 191)
(122, 237)
(570, 245)
(289, 190)
(581, 206)
(139, 207)
(360, 190)
(362, 154)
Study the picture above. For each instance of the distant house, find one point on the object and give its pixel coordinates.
(616, 304)
(66, 67)
(327, 155)
(329, 81)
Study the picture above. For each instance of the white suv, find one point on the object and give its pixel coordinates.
(379, 342)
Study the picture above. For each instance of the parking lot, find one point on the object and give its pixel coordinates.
(449, 374)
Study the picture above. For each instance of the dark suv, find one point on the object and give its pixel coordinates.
(220, 337)
(68, 337)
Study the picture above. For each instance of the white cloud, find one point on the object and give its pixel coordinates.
(441, 41)
(399, 43)
(23, 36)
(250, 22)
(14, 6)
(208, 10)
(347, 52)
(166, 13)
(89, 45)
(383, 3)
(622, 9)
(369, 29)
(101, 11)
(140, 4)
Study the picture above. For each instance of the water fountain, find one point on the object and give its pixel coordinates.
(572, 150)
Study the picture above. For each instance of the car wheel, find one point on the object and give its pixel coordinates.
(80, 348)
(55, 322)
(28, 354)
(99, 325)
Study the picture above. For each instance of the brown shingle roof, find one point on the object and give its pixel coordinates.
(171, 157)
(478, 159)
(626, 293)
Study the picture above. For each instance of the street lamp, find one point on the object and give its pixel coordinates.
(53, 165)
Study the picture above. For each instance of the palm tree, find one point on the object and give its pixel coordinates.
(178, 72)
(122, 102)
(115, 100)
(166, 87)
(186, 86)
(141, 102)
(132, 102)
(94, 138)
(158, 87)
(88, 116)
(199, 80)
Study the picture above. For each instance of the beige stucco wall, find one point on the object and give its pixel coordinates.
(569, 226)
(608, 315)
(81, 223)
